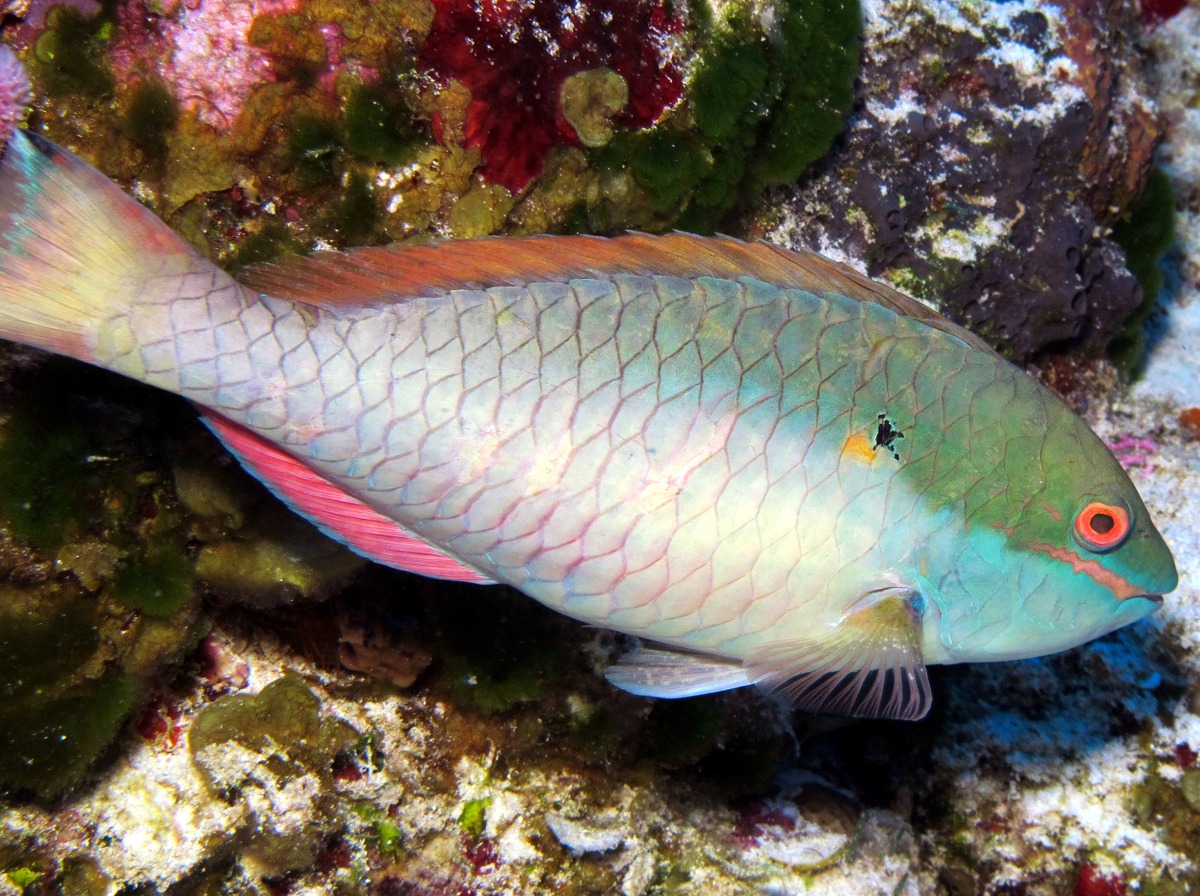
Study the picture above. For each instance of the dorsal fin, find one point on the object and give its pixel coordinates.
(393, 273)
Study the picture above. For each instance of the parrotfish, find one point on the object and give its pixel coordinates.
(770, 469)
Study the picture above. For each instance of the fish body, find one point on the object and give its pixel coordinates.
(776, 470)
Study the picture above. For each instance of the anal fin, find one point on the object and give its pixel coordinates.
(660, 672)
(869, 665)
(338, 514)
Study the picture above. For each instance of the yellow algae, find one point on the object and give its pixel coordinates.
(480, 212)
(567, 187)
(589, 100)
(263, 110)
(198, 162)
(449, 102)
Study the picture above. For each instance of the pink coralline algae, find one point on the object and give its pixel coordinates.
(514, 55)
(14, 93)
(1134, 452)
(201, 50)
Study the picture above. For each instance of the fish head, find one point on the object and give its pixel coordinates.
(1069, 553)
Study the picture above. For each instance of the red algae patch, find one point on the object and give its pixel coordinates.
(515, 58)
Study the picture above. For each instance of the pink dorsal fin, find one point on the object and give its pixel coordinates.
(394, 273)
(336, 513)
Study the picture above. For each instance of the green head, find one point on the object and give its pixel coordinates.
(1059, 547)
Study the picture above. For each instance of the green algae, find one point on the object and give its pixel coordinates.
(499, 676)
(496, 687)
(729, 82)
(760, 109)
(666, 162)
(71, 672)
(473, 817)
(388, 838)
(47, 746)
(50, 473)
(99, 598)
(157, 581)
(68, 56)
(355, 214)
(1146, 234)
(270, 242)
(315, 149)
(817, 66)
(66, 488)
(151, 114)
(378, 126)
(23, 877)
(599, 731)
(682, 732)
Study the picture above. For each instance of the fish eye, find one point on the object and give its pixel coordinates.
(1101, 527)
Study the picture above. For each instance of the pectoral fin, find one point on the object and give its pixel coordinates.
(659, 672)
(868, 666)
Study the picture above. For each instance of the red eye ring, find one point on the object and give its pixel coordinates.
(1101, 527)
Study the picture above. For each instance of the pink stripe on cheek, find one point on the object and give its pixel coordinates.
(1121, 588)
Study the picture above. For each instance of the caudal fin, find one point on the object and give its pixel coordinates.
(73, 248)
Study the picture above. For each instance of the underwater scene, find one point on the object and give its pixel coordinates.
(641, 447)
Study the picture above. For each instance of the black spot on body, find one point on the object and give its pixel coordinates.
(886, 436)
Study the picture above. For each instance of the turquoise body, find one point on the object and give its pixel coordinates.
(695, 461)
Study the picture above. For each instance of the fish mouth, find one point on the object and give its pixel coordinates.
(1132, 600)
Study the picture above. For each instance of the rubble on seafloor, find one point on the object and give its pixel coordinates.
(413, 737)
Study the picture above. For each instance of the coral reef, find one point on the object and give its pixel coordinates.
(983, 170)
(275, 126)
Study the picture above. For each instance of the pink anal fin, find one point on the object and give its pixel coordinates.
(339, 515)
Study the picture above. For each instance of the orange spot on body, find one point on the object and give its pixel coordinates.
(859, 447)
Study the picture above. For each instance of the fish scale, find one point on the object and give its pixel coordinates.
(691, 526)
(774, 469)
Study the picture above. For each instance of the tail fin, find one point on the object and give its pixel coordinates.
(73, 247)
